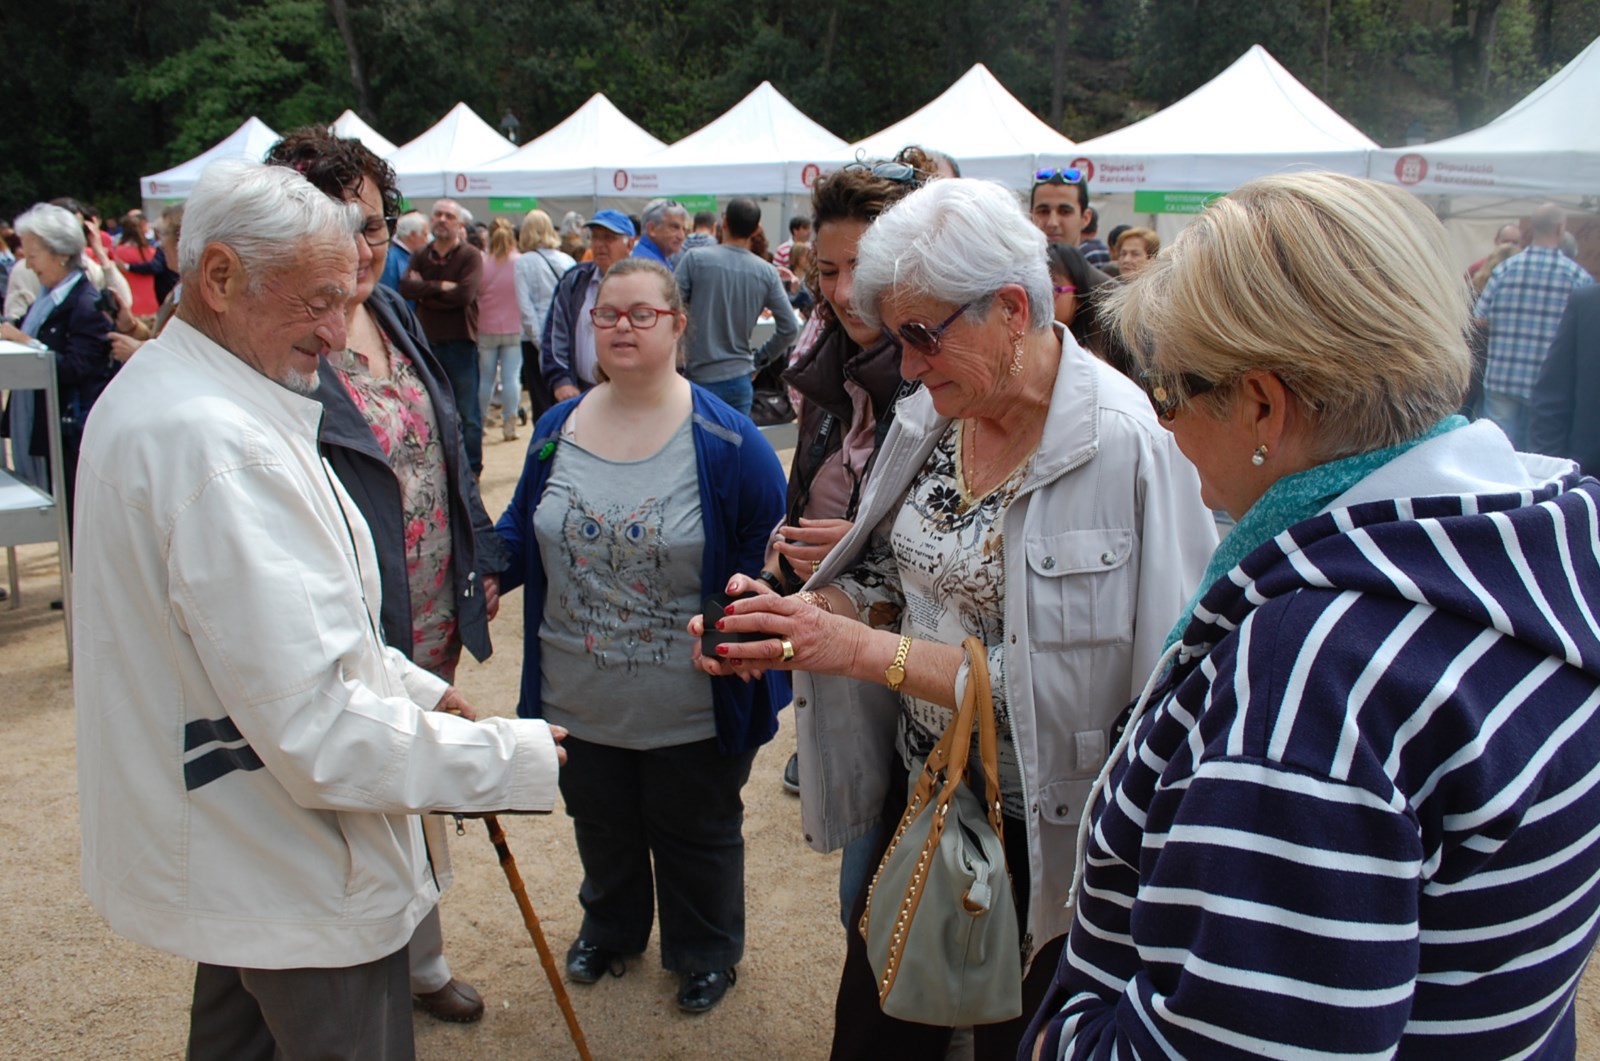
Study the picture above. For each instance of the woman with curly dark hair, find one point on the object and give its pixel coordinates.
(389, 432)
(1077, 289)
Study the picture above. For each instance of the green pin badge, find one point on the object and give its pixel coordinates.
(547, 449)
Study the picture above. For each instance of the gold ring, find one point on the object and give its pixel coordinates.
(814, 565)
(788, 649)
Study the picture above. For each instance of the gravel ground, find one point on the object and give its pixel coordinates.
(72, 989)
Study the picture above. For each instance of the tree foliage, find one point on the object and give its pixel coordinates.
(102, 91)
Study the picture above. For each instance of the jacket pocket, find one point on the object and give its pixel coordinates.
(1080, 588)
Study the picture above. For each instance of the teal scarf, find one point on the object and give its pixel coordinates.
(1292, 499)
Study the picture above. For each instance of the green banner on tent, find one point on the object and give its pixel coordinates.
(1173, 202)
(512, 206)
(696, 203)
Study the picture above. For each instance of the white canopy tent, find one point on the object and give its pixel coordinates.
(981, 125)
(350, 126)
(763, 145)
(1252, 119)
(250, 141)
(589, 145)
(430, 165)
(1547, 146)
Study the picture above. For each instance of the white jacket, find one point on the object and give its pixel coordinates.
(1104, 544)
(250, 754)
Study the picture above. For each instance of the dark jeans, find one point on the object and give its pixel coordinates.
(460, 363)
(681, 807)
(362, 1012)
(861, 1031)
(738, 392)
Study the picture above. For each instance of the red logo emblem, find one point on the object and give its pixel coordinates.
(461, 182)
(809, 175)
(1411, 169)
(1086, 165)
(619, 180)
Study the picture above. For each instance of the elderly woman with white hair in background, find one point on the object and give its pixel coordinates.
(1027, 496)
(64, 319)
(1356, 811)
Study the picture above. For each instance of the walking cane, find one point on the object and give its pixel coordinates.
(497, 836)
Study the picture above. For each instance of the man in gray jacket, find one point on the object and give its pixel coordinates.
(252, 757)
(727, 287)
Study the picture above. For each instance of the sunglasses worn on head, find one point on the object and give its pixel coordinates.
(924, 338)
(899, 172)
(1166, 393)
(1070, 175)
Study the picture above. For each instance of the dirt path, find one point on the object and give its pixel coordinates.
(72, 989)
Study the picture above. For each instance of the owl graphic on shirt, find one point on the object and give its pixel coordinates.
(618, 594)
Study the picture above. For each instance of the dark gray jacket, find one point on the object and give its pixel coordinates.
(349, 446)
(1568, 391)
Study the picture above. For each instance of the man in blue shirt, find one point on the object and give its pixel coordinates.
(1522, 306)
(410, 236)
(666, 226)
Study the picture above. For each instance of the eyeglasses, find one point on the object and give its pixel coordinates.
(1070, 175)
(1166, 393)
(378, 230)
(1062, 289)
(926, 339)
(638, 316)
(899, 172)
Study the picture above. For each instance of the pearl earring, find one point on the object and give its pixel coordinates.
(1259, 457)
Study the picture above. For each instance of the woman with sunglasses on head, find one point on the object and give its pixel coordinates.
(389, 433)
(1355, 811)
(640, 498)
(848, 381)
(1027, 496)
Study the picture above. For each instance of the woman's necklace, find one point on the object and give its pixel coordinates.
(966, 480)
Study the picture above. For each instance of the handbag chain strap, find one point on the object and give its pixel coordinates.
(948, 759)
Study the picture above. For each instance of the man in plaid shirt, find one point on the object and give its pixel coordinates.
(1521, 306)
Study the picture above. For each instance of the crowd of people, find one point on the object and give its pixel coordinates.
(1323, 786)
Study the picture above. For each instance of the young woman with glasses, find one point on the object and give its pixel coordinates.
(1026, 495)
(639, 499)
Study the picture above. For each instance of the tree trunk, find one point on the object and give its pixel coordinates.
(1327, 29)
(358, 72)
(1473, 26)
(828, 39)
(1058, 63)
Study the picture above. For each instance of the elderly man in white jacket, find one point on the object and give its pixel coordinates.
(252, 758)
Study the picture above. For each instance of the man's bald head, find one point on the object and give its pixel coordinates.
(1547, 223)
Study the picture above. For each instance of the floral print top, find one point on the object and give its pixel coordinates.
(935, 569)
(401, 416)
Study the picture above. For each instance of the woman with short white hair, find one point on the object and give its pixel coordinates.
(64, 319)
(1027, 496)
(1356, 809)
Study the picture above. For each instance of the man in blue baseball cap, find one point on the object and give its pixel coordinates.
(566, 349)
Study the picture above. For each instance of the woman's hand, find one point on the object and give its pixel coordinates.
(807, 544)
(453, 703)
(14, 334)
(823, 643)
(491, 595)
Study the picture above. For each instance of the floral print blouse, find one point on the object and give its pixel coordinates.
(402, 419)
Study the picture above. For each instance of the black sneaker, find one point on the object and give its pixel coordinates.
(791, 774)
(587, 963)
(700, 992)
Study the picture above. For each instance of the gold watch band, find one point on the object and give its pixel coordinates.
(895, 674)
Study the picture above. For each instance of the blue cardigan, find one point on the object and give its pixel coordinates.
(742, 498)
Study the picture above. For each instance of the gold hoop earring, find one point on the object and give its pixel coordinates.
(1016, 355)
(1259, 457)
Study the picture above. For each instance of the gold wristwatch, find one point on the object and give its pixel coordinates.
(895, 673)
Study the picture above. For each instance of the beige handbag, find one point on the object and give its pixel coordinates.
(941, 919)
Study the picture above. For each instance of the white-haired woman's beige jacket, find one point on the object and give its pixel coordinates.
(1105, 542)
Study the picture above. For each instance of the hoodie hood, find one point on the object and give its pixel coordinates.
(1461, 523)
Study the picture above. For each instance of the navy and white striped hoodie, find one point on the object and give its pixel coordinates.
(1360, 817)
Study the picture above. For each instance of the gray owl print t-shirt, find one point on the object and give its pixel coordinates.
(621, 543)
